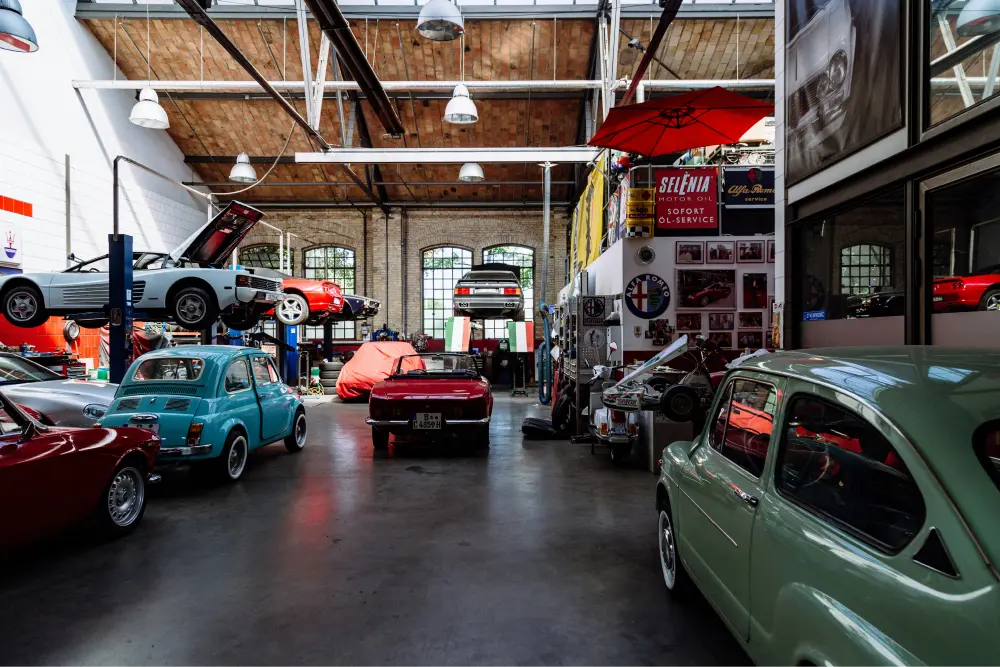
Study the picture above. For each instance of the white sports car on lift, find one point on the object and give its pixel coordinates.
(184, 286)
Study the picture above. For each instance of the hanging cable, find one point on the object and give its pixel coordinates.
(268, 173)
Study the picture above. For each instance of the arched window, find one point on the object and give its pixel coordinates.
(865, 268)
(442, 268)
(264, 256)
(520, 256)
(334, 263)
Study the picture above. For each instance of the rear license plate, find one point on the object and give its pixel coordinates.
(427, 421)
(619, 429)
(938, 298)
(154, 427)
(487, 290)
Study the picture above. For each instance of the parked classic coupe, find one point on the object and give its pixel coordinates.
(489, 293)
(50, 398)
(707, 294)
(211, 405)
(839, 507)
(185, 286)
(432, 394)
(52, 478)
(308, 301)
(978, 291)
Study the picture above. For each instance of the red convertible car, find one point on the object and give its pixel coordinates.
(978, 291)
(52, 478)
(707, 294)
(308, 301)
(431, 395)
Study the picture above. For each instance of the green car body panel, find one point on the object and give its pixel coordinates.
(796, 588)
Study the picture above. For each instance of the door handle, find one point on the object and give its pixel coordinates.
(746, 497)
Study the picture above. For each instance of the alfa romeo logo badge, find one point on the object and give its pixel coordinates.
(647, 296)
(593, 307)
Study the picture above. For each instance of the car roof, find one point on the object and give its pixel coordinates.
(936, 396)
(217, 352)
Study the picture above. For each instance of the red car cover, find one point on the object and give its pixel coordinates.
(371, 364)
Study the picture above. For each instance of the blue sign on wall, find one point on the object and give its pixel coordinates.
(813, 315)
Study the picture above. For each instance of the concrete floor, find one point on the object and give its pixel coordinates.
(535, 552)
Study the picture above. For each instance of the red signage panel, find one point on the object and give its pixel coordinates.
(687, 198)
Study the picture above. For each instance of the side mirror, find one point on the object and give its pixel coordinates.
(71, 257)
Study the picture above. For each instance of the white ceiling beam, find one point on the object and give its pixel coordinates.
(567, 155)
(303, 24)
(300, 86)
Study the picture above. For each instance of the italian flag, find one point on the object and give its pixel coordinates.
(521, 336)
(456, 334)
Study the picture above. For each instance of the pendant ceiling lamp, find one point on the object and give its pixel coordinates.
(16, 34)
(243, 171)
(978, 17)
(471, 172)
(147, 112)
(461, 110)
(440, 21)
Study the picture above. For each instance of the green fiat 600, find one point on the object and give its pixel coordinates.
(843, 507)
(211, 405)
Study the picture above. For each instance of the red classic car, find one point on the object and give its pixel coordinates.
(978, 291)
(432, 394)
(308, 301)
(52, 478)
(707, 294)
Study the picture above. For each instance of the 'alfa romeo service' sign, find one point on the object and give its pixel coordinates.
(687, 198)
(647, 296)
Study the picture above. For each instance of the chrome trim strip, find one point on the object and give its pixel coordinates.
(386, 422)
(196, 450)
(706, 516)
(485, 420)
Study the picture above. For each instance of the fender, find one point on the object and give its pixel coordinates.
(226, 427)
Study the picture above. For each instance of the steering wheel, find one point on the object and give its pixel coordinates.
(818, 467)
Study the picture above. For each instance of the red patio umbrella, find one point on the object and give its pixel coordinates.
(708, 117)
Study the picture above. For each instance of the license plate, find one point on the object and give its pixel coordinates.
(938, 298)
(487, 290)
(154, 427)
(427, 421)
(619, 429)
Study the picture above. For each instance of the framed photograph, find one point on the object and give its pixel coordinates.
(706, 288)
(721, 339)
(721, 252)
(770, 252)
(755, 291)
(751, 320)
(689, 321)
(721, 321)
(750, 251)
(751, 339)
(690, 252)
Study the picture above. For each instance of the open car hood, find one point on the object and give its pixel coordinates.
(217, 239)
(627, 394)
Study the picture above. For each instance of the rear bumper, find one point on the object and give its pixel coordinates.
(405, 423)
(254, 295)
(498, 305)
(175, 452)
(954, 299)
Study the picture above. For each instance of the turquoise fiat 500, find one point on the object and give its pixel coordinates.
(211, 405)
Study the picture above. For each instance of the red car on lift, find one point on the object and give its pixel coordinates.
(977, 291)
(52, 478)
(432, 394)
(308, 301)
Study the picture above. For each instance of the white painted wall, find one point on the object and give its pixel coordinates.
(45, 119)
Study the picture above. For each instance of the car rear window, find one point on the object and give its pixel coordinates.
(186, 369)
(987, 447)
(489, 275)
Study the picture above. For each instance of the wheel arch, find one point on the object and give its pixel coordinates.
(16, 281)
(191, 281)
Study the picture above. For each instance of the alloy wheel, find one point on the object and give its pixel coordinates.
(22, 306)
(125, 497)
(993, 303)
(191, 308)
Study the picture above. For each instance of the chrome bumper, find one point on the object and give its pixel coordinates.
(406, 422)
(196, 450)
(254, 295)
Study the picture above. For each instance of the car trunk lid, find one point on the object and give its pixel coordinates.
(215, 241)
(168, 415)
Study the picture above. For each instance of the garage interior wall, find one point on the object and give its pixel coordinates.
(420, 229)
(45, 119)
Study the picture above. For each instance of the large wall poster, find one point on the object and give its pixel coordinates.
(843, 79)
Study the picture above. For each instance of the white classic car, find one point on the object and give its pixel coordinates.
(184, 286)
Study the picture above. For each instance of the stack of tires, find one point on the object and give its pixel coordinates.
(329, 372)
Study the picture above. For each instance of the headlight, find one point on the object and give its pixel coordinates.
(95, 411)
(837, 71)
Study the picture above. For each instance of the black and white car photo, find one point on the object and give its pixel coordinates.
(489, 293)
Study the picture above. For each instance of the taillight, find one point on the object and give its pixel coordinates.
(377, 409)
(633, 428)
(511, 290)
(604, 428)
(463, 291)
(194, 433)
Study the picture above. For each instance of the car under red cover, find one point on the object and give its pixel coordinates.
(432, 395)
(308, 301)
(52, 478)
(979, 291)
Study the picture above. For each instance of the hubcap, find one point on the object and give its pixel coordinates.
(300, 430)
(22, 306)
(668, 553)
(993, 303)
(237, 457)
(125, 497)
(191, 308)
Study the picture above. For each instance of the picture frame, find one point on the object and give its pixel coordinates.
(721, 321)
(754, 291)
(722, 339)
(750, 252)
(690, 252)
(706, 288)
(689, 321)
(771, 247)
(751, 320)
(720, 252)
(753, 340)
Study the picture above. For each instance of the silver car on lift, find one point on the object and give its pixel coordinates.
(489, 293)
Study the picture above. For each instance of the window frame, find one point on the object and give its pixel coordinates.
(730, 389)
(342, 330)
(424, 253)
(261, 359)
(250, 378)
(259, 246)
(885, 266)
(817, 513)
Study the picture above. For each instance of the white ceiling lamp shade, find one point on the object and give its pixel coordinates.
(441, 21)
(148, 113)
(243, 171)
(471, 172)
(461, 110)
(978, 17)
(16, 34)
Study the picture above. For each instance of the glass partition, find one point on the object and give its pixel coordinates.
(963, 53)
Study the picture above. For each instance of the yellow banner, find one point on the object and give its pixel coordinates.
(588, 221)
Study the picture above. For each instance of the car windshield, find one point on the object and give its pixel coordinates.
(987, 449)
(15, 369)
(173, 368)
(96, 265)
(435, 366)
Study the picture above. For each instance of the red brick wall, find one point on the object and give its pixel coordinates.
(49, 338)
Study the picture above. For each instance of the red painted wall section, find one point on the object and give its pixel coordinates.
(49, 338)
